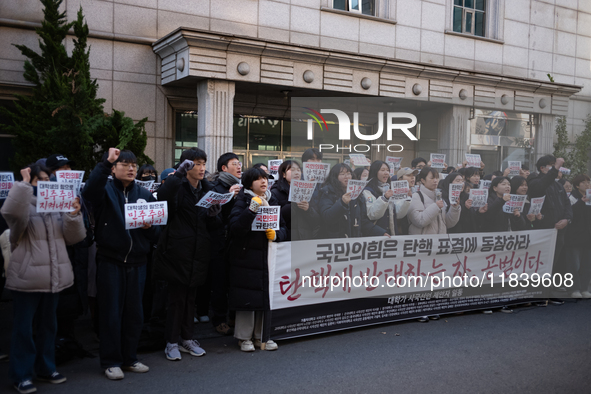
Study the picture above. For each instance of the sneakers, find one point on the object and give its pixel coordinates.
(586, 294)
(203, 319)
(224, 329)
(192, 347)
(114, 373)
(137, 367)
(25, 387)
(246, 346)
(54, 378)
(172, 351)
(269, 345)
(434, 317)
(487, 312)
(423, 319)
(576, 294)
(555, 301)
(541, 303)
(506, 309)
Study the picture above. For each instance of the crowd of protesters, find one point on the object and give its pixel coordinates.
(155, 282)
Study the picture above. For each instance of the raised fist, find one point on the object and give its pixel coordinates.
(113, 155)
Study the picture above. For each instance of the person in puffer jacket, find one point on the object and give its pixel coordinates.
(39, 269)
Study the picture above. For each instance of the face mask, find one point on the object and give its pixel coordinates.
(148, 178)
(35, 191)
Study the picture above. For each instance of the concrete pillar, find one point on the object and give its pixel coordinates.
(544, 137)
(215, 119)
(454, 135)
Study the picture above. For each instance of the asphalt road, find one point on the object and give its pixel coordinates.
(534, 350)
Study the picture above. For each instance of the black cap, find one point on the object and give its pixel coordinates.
(56, 161)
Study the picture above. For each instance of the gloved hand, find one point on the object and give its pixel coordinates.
(255, 203)
(270, 233)
(214, 210)
(185, 166)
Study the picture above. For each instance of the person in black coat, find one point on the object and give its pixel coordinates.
(578, 234)
(301, 219)
(469, 217)
(519, 186)
(342, 217)
(183, 253)
(494, 219)
(249, 273)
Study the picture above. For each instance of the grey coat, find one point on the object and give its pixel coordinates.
(427, 218)
(40, 262)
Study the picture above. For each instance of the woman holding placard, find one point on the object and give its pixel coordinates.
(495, 220)
(519, 187)
(381, 208)
(468, 222)
(39, 269)
(341, 216)
(249, 274)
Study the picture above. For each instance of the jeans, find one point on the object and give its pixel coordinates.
(119, 298)
(28, 354)
(179, 318)
(579, 261)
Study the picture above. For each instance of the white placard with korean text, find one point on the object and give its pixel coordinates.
(318, 172)
(394, 164)
(479, 197)
(484, 184)
(267, 218)
(74, 177)
(55, 196)
(139, 214)
(6, 183)
(437, 160)
(355, 187)
(517, 201)
(473, 160)
(274, 167)
(148, 185)
(455, 189)
(359, 160)
(514, 168)
(301, 191)
(400, 189)
(212, 198)
(536, 205)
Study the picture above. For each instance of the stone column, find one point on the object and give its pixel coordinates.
(544, 136)
(454, 135)
(215, 118)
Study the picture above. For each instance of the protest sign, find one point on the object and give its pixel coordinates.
(514, 168)
(274, 167)
(588, 193)
(316, 172)
(359, 160)
(394, 164)
(400, 189)
(355, 187)
(517, 201)
(437, 160)
(536, 205)
(565, 171)
(473, 160)
(148, 185)
(139, 214)
(213, 198)
(73, 177)
(484, 184)
(300, 191)
(6, 182)
(267, 218)
(55, 197)
(442, 176)
(347, 162)
(454, 192)
(479, 197)
(270, 183)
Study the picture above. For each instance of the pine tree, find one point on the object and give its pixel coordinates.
(561, 145)
(53, 118)
(579, 156)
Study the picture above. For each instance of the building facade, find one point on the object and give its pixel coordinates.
(481, 76)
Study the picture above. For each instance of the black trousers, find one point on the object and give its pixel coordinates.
(179, 318)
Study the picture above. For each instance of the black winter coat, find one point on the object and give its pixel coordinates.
(300, 224)
(469, 218)
(107, 198)
(578, 233)
(495, 220)
(183, 253)
(556, 205)
(249, 272)
(338, 220)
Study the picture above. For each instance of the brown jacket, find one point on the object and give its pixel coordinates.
(40, 262)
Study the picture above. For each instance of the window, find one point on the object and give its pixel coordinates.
(469, 17)
(366, 7)
(186, 132)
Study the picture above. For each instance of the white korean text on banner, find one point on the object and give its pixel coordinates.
(514, 168)
(355, 187)
(301, 191)
(437, 160)
(517, 201)
(213, 198)
(55, 197)
(335, 284)
(394, 164)
(455, 189)
(6, 182)
(536, 205)
(473, 160)
(139, 214)
(359, 160)
(267, 217)
(484, 184)
(479, 197)
(400, 189)
(274, 167)
(316, 172)
(73, 177)
(148, 185)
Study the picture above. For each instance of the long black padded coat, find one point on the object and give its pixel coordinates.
(249, 273)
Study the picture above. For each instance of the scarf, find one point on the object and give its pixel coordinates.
(264, 198)
(228, 179)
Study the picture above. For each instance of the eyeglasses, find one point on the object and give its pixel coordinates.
(133, 166)
(236, 164)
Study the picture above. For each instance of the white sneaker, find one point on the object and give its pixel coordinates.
(246, 346)
(586, 294)
(269, 345)
(114, 373)
(137, 367)
(172, 351)
(576, 294)
(192, 347)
